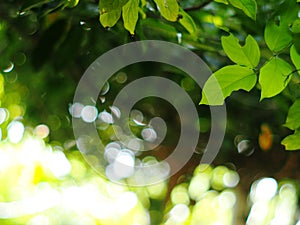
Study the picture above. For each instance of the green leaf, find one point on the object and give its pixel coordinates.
(248, 55)
(169, 9)
(150, 28)
(130, 14)
(274, 77)
(71, 3)
(293, 118)
(249, 7)
(287, 12)
(296, 26)
(293, 90)
(292, 142)
(226, 80)
(277, 37)
(110, 11)
(222, 1)
(188, 23)
(297, 41)
(295, 56)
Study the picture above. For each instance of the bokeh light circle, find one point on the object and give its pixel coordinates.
(108, 64)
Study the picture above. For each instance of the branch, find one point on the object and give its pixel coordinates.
(196, 7)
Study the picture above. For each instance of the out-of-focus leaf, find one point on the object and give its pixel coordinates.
(190, 4)
(156, 29)
(274, 77)
(292, 142)
(188, 23)
(293, 118)
(110, 11)
(247, 55)
(293, 90)
(296, 26)
(227, 80)
(277, 37)
(130, 14)
(249, 7)
(297, 41)
(222, 1)
(288, 12)
(169, 9)
(71, 3)
(295, 56)
(265, 138)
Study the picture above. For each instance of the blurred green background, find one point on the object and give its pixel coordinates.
(45, 47)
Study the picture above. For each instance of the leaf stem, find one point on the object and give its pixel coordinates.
(294, 71)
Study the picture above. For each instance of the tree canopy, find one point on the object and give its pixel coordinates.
(250, 45)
